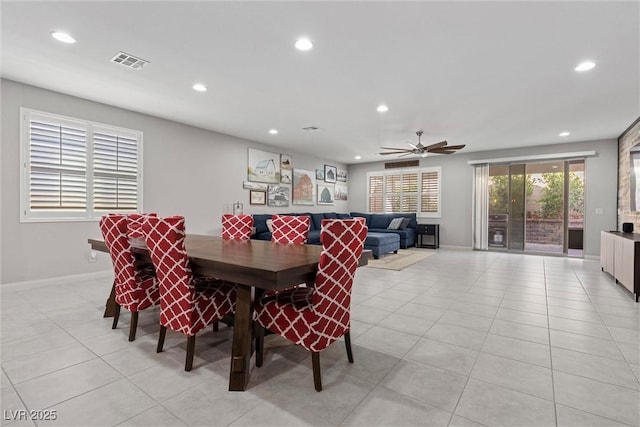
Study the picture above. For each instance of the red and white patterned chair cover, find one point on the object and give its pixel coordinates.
(134, 226)
(237, 227)
(135, 288)
(186, 305)
(315, 317)
(290, 229)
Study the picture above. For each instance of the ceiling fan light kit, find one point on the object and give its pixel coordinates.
(422, 150)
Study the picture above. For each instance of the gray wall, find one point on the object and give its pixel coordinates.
(457, 182)
(187, 171)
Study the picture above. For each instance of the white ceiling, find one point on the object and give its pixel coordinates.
(486, 74)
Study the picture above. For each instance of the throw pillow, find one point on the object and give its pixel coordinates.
(270, 225)
(395, 223)
(404, 223)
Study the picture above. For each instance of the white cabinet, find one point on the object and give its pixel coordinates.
(620, 257)
(607, 247)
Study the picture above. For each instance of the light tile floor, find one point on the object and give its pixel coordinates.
(461, 339)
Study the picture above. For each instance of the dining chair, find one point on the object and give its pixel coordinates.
(237, 227)
(135, 285)
(290, 229)
(315, 317)
(187, 305)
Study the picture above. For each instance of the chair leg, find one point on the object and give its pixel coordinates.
(191, 347)
(134, 326)
(215, 326)
(116, 316)
(317, 377)
(259, 344)
(163, 332)
(347, 343)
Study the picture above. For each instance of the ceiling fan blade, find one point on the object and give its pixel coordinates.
(441, 151)
(396, 152)
(453, 147)
(415, 147)
(436, 145)
(396, 148)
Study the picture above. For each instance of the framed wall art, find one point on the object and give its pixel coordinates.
(342, 175)
(304, 184)
(330, 173)
(278, 196)
(285, 161)
(263, 167)
(341, 192)
(257, 197)
(248, 185)
(320, 174)
(325, 194)
(286, 176)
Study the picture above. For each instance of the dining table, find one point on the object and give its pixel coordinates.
(254, 266)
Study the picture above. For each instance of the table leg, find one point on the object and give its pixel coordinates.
(242, 336)
(110, 305)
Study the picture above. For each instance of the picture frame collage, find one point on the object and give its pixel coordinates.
(273, 181)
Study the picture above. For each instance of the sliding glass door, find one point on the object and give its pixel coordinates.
(545, 225)
(537, 207)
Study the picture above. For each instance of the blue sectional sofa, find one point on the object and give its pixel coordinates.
(377, 223)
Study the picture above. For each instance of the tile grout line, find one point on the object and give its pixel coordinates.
(553, 382)
(453, 412)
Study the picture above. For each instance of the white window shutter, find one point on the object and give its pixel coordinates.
(115, 169)
(57, 159)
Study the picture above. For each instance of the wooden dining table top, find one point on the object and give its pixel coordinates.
(251, 262)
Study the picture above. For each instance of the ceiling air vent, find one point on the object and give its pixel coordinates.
(129, 61)
(404, 164)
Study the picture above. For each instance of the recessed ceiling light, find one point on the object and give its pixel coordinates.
(565, 133)
(585, 66)
(62, 37)
(303, 43)
(382, 108)
(357, 157)
(273, 131)
(199, 87)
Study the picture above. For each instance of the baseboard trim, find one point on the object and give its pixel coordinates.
(465, 248)
(58, 280)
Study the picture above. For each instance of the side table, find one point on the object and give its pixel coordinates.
(432, 230)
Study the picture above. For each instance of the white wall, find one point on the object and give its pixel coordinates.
(187, 171)
(457, 181)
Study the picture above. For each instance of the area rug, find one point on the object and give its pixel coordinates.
(403, 259)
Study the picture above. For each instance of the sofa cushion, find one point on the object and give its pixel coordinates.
(413, 222)
(404, 223)
(316, 220)
(380, 221)
(344, 216)
(366, 216)
(395, 223)
(330, 215)
(260, 222)
(314, 237)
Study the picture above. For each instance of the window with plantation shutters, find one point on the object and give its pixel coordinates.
(77, 170)
(405, 190)
(115, 171)
(430, 192)
(376, 193)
